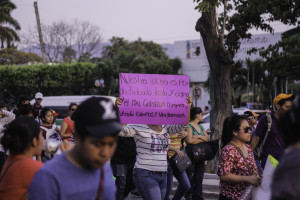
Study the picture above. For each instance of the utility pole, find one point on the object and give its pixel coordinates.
(40, 32)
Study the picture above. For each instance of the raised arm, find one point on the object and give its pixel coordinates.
(189, 102)
(7, 117)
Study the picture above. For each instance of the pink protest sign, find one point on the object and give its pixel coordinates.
(153, 99)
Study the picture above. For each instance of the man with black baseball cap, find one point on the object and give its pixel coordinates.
(82, 173)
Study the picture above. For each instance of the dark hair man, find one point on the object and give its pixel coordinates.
(82, 173)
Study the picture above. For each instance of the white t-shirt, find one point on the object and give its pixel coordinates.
(151, 147)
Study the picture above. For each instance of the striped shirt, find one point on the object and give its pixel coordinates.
(175, 143)
(151, 146)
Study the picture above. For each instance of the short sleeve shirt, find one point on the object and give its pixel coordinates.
(274, 144)
(231, 161)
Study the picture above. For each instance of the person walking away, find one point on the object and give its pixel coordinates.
(197, 134)
(122, 164)
(23, 139)
(83, 172)
(237, 168)
(67, 126)
(267, 129)
(5, 118)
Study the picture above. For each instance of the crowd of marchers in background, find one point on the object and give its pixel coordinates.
(40, 160)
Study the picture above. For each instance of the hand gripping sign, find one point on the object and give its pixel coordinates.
(153, 99)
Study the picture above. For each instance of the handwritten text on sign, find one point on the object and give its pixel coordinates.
(153, 99)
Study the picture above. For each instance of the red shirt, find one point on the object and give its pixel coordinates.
(231, 161)
(18, 177)
(70, 128)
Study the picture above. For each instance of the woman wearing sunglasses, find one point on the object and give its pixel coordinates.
(67, 126)
(237, 168)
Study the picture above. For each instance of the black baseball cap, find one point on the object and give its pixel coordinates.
(97, 117)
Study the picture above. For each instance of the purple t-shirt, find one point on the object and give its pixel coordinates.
(274, 144)
(59, 179)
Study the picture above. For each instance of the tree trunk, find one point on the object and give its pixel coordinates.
(220, 62)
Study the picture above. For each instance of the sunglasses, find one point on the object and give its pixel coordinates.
(73, 109)
(247, 129)
(252, 117)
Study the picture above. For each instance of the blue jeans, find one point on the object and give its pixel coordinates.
(182, 178)
(151, 185)
(197, 180)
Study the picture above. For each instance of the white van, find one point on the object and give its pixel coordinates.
(60, 103)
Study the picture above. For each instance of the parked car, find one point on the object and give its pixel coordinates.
(206, 122)
(60, 103)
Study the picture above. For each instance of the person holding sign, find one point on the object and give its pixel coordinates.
(152, 143)
(237, 168)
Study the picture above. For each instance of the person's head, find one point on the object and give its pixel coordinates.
(283, 103)
(206, 108)
(46, 116)
(235, 127)
(196, 114)
(285, 184)
(24, 100)
(289, 124)
(38, 98)
(251, 117)
(72, 108)
(27, 110)
(21, 135)
(4, 107)
(97, 126)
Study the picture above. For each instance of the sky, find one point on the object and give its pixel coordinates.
(161, 21)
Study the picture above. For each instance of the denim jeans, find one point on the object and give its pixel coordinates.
(151, 185)
(124, 179)
(197, 180)
(183, 181)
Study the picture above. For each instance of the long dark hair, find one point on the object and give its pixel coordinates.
(19, 134)
(44, 113)
(194, 111)
(231, 124)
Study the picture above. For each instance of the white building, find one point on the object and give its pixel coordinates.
(197, 67)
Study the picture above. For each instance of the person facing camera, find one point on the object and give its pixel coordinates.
(83, 172)
(237, 168)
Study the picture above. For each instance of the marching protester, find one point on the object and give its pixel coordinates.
(67, 126)
(183, 181)
(49, 130)
(5, 118)
(122, 164)
(23, 139)
(152, 144)
(38, 100)
(237, 168)
(197, 134)
(285, 183)
(83, 172)
(267, 133)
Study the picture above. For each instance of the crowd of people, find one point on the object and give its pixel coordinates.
(39, 160)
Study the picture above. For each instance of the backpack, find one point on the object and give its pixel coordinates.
(259, 148)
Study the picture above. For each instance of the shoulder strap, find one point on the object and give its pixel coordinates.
(269, 120)
(239, 150)
(8, 166)
(101, 184)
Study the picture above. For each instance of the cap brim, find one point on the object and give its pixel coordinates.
(105, 130)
